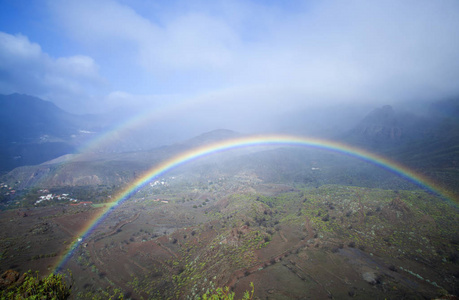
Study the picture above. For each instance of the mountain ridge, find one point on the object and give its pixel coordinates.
(428, 143)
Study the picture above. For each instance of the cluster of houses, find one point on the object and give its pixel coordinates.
(162, 182)
(9, 189)
(49, 197)
(158, 183)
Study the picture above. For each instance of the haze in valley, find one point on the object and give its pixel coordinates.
(243, 65)
(95, 95)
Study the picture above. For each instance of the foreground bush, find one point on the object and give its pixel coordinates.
(30, 286)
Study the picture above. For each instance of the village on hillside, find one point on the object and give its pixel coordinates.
(58, 197)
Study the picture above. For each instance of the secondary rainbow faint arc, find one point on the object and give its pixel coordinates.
(248, 141)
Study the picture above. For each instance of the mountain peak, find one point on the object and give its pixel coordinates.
(380, 125)
(384, 116)
(33, 130)
(212, 137)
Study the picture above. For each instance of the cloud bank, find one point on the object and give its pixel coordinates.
(25, 68)
(227, 56)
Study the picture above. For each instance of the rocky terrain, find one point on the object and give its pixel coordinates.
(297, 222)
(196, 234)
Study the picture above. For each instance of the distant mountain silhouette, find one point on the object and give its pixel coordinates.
(429, 141)
(211, 137)
(107, 168)
(27, 119)
(33, 131)
(36, 132)
(379, 126)
(384, 126)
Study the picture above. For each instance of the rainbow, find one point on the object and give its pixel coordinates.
(249, 141)
(138, 120)
(119, 131)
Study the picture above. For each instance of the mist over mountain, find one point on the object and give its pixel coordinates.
(385, 127)
(410, 138)
(28, 118)
(41, 143)
(260, 193)
(33, 131)
(380, 125)
(187, 148)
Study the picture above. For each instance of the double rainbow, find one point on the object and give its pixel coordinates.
(250, 141)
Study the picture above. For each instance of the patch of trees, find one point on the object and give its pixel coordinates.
(30, 286)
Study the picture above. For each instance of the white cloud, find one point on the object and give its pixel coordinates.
(78, 66)
(357, 49)
(310, 52)
(25, 68)
(192, 40)
(17, 48)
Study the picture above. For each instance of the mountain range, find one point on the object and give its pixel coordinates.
(39, 141)
(33, 131)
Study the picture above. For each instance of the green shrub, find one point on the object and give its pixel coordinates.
(29, 286)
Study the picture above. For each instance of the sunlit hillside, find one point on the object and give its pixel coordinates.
(196, 149)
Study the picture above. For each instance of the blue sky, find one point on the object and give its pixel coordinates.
(264, 56)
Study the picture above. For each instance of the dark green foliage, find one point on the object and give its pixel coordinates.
(29, 286)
